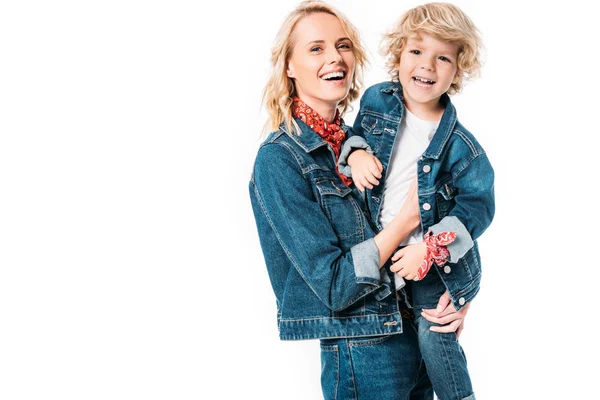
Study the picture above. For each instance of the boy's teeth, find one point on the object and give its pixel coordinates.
(423, 80)
(333, 75)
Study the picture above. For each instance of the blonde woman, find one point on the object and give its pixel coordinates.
(323, 255)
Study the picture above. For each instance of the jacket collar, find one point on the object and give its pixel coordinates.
(308, 139)
(445, 128)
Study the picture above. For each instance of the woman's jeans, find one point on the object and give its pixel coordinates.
(375, 368)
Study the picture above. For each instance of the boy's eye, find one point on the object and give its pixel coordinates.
(417, 52)
(444, 58)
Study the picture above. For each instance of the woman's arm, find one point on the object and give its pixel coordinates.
(289, 216)
(400, 227)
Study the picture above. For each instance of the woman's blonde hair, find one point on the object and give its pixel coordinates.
(444, 22)
(280, 89)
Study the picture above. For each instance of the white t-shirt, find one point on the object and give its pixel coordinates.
(413, 138)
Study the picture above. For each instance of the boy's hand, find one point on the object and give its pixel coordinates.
(366, 169)
(408, 260)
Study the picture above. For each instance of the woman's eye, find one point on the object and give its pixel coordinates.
(316, 48)
(344, 46)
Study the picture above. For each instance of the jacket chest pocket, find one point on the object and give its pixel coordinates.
(373, 128)
(445, 199)
(342, 209)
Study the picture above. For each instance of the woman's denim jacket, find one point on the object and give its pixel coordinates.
(455, 178)
(318, 245)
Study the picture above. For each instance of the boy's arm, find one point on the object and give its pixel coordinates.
(354, 141)
(474, 206)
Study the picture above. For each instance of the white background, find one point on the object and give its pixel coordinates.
(130, 266)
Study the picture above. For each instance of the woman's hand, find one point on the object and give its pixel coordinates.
(445, 314)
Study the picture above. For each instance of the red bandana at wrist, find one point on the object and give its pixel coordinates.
(330, 132)
(436, 251)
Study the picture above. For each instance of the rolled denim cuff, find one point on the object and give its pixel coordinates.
(463, 242)
(386, 288)
(365, 256)
(399, 282)
(353, 143)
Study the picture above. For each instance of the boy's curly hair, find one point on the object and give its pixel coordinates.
(444, 22)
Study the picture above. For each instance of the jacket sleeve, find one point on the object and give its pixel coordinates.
(355, 140)
(352, 142)
(285, 199)
(474, 206)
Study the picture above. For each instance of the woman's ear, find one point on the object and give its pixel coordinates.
(290, 71)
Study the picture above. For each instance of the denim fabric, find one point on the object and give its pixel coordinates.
(318, 245)
(455, 179)
(374, 368)
(445, 362)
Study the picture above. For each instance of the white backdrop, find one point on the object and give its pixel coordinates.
(130, 266)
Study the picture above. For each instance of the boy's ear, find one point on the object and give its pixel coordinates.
(456, 77)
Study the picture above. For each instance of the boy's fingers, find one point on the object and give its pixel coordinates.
(365, 183)
(373, 180)
(397, 267)
(379, 165)
(375, 171)
(400, 253)
(358, 185)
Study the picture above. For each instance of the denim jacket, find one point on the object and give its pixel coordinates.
(455, 179)
(318, 245)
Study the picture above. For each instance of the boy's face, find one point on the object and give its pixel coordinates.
(427, 68)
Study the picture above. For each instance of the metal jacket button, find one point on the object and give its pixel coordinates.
(461, 301)
(426, 168)
(426, 207)
(447, 269)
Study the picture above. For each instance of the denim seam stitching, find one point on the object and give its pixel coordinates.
(320, 318)
(467, 141)
(350, 361)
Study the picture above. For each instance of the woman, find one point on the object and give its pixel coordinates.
(323, 256)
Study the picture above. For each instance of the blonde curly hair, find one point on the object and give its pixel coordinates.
(444, 22)
(280, 89)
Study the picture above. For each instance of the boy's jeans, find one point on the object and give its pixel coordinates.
(444, 357)
(445, 361)
(375, 368)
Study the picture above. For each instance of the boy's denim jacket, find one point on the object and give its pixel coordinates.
(318, 245)
(455, 178)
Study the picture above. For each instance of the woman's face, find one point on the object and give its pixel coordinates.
(322, 61)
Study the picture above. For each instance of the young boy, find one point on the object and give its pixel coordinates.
(409, 129)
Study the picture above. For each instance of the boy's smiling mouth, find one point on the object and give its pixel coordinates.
(423, 82)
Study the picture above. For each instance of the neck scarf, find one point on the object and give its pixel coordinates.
(330, 132)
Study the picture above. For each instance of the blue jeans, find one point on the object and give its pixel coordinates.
(374, 368)
(445, 362)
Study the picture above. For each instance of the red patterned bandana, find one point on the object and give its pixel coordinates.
(330, 132)
(437, 252)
